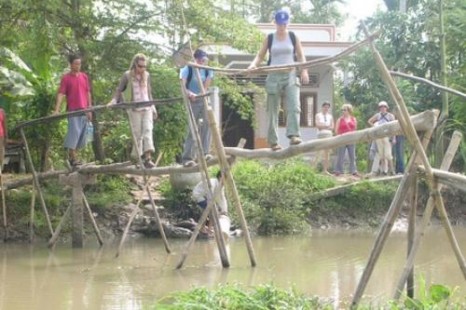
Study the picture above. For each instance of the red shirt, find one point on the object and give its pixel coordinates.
(346, 125)
(2, 123)
(76, 89)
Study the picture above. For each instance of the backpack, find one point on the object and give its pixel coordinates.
(190, 75)
(270, 41)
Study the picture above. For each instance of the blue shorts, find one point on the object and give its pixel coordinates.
(76, 135)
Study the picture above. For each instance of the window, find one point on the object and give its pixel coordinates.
(307, 111)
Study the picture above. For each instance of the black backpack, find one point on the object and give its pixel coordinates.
(190, 75)
(270, 41)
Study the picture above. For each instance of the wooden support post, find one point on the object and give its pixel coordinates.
(447, 160)
(411, 135)
(226, 171)
(36, 181)
(135, 211)
(92, 219)
(388, 221)
(412, 229)
(31, 218)
(77, 181)
(54, 238)
(146, 180)
(203, 165)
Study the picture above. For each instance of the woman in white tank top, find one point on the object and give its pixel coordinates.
(285, 83)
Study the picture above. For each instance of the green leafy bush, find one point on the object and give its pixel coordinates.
(274, 195)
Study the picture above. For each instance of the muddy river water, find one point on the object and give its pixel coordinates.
(327, 264)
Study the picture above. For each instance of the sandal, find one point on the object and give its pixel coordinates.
(276, 147)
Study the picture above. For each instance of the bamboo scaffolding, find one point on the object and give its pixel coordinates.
(94, 224)
(135, 211)
(413, 199)
(53, 240)
(146, 180)
(409, 131)
(203, 166)
(226, 171)
(389, 220)
(36, 181)
(31, 217)
(447, 160)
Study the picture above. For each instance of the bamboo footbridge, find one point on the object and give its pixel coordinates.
(417, 167)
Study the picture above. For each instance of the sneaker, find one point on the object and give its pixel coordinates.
(276, 147)
(149, 164)
(189, 163)
(295, 140)
(208, 157)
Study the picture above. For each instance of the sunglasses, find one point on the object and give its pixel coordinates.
(141, 66)
(343, 110)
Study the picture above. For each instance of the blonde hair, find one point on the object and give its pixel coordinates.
(348, 107)
(134, 63)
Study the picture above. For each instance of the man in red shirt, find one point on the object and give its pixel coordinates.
(75, 87)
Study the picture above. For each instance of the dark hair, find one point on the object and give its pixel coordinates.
(326, 103)
(73, 57)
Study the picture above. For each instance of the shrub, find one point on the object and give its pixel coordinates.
(274, 195)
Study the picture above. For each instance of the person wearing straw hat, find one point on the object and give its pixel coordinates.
(135, 86)
(192, 90)
(75, 87)
(282, 46)
(383, 159)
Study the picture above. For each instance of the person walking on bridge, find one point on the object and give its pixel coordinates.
(135, 86)
(284, 48)
(75, 87)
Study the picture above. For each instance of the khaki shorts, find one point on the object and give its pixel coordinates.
(324, 134)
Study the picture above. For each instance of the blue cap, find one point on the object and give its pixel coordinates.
(282, 17)
(200, 54)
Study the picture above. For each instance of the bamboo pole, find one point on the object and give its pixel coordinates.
(36, 181)
(94, 224)
(278, 68)
(53, 240)
(412, 230)
(430, 83)
(154, 208)
(389, 220)
(200, 224)
(125, 232)
(203, 166)
(31, 218)
(135, 211)
(447, 160)
(226, 171)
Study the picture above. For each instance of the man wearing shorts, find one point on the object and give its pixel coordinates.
(75, 87)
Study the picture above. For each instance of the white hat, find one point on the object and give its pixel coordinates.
(383, 104)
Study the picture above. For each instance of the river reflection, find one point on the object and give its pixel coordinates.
(327, 264)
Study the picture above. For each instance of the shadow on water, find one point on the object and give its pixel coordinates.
(327, 264)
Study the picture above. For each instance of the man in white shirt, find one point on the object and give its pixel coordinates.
(324, 122)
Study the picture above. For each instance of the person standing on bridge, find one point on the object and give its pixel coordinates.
(324, 122)
(383, 161)
(192, 90)
(75, 87)
(135, 86)
(346, 123)
(284, 47)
